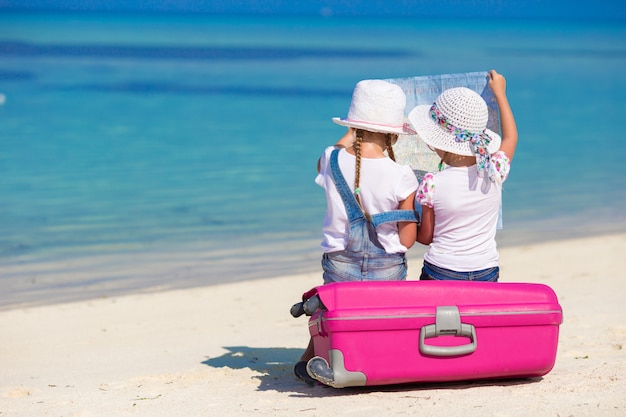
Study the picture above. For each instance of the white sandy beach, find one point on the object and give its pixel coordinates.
(228, 350)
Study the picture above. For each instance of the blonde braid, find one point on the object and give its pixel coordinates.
(389, 147)
(357, 174)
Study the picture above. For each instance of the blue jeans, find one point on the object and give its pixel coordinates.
(346, 266)
(432, 272)
(364, 258)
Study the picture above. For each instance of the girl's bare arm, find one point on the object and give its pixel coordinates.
(497, 84)
(427, 227)
(407, 230)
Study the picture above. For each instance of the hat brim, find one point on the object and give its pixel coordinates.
(433, 135)
(372, 127)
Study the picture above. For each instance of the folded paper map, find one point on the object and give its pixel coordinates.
(410, 150)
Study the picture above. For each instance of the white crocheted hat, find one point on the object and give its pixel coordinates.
(377, 106)
(456, 114)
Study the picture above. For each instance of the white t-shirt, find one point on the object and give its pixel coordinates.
(384, 183)
(466, 210)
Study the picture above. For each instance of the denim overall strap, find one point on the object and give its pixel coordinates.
(352, 206)
(395, 216)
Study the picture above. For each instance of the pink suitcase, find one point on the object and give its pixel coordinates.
(376, 333)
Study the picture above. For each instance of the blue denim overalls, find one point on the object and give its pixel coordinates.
(364, 258)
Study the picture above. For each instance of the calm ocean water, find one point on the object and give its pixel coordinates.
(160, 151)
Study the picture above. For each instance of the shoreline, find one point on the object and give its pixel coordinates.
(204, 351)
(32, 281)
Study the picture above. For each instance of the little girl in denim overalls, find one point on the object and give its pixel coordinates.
(370, 219)
(461, 203)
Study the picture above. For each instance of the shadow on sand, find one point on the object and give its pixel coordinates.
(276, 368)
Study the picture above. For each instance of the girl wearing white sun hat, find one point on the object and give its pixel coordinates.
(370, 220)
(461, 203)
(366, 160)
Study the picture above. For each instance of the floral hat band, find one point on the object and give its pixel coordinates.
(479, 141)
(460, 135)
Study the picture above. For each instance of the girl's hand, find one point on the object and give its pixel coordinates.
(497, 83)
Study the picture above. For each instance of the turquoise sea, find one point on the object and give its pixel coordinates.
(152, 151)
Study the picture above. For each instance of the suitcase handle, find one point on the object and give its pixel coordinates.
(448, 323)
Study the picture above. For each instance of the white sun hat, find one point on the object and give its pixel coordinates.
(377, 106)
(456, 116)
